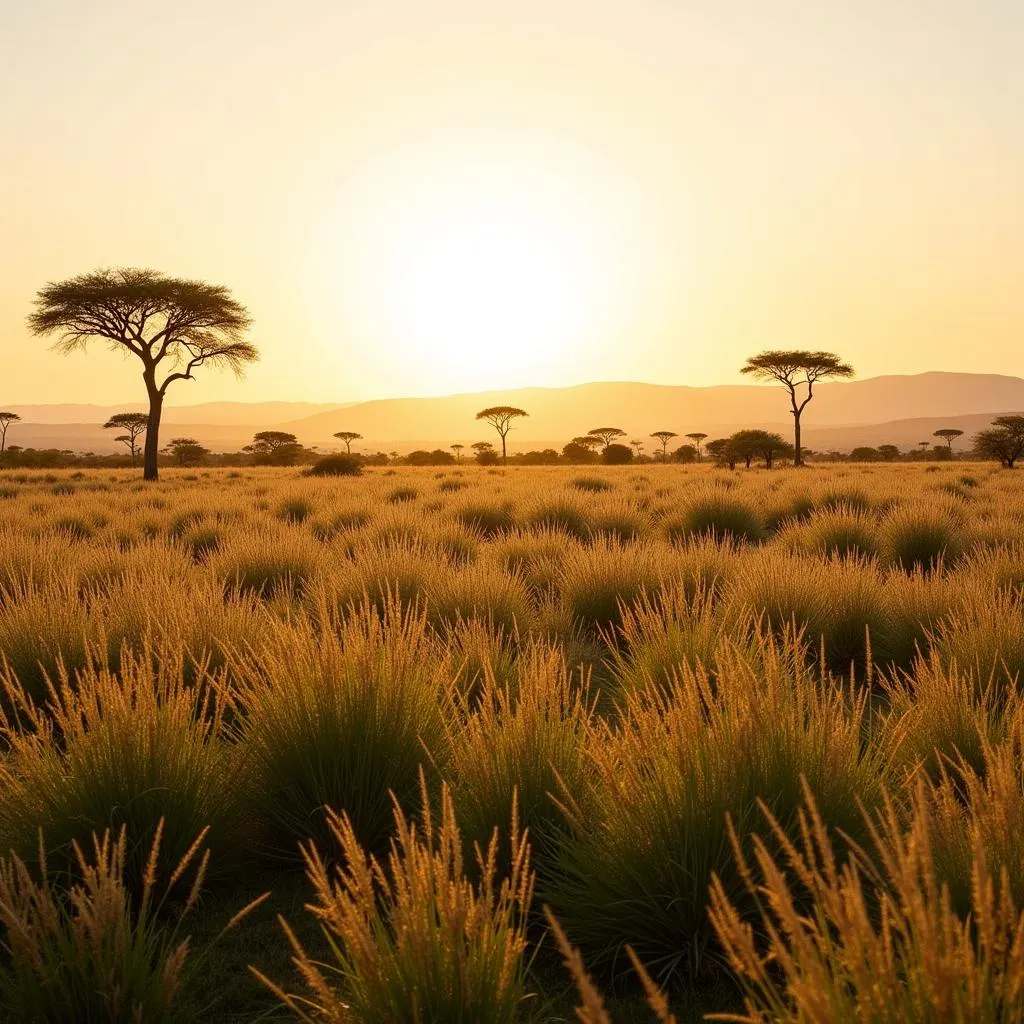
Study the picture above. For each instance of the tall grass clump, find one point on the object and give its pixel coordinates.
(489, 519)
(523, 744)
(133, 747)
(918, 536)
(266, 563)
(412, 938)
(670, 771)
(562, 514)
(839, 532)
(881, 941)
(341, 717)
(718, 515)
(481, 591)
(597, 582)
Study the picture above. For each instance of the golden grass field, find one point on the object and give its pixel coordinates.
(630, 673)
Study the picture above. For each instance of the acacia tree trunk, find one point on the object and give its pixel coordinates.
(150, 469)
(504, 457)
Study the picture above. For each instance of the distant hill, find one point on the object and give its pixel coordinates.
(878, 410)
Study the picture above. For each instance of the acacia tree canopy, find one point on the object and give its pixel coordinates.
(172, 325)
(133, 424)
(796, 369)
(500, 417)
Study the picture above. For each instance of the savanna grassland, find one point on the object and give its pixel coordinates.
(752, 738)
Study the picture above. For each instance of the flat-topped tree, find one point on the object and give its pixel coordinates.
(1003, 441)
(606, 434)
(796, 370)
(949, 435)
(457, 448)
(663, 437)
(500, 417)
(697, 437)
(171, 325)
(133, 424)
(6, 419)
(348, 436)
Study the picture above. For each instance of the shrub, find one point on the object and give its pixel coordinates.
(413, 939)
(336, 465)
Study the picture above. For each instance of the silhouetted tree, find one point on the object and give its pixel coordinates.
(6, 419)
(864, 453)
(1003, 441)
(457, 448)
(169, 324)
(794, 370)
(348, 436)
(186, 451)
(685, 453)
(697, 437)
(500, 417)
(617, 454)
(274, 448)
(889, 452)
(581, 450)
(606, 434)
(722, 450)
(133, 424)
(485, 453)
(663, 437)
(638, 447)
(949, 435)
(751, 444)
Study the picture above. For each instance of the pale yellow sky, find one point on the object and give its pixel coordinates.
(427, 197)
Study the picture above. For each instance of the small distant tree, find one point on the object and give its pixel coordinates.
(186, 451)
(663, 437)
(924, 446)
(751, 444)
(697, 437)
(949, 435)
(796, 370)
(485, 453)
(6, 419)
(457, 448)
(889, 452)
(865, 453)
(581, 450)
(500, 417)
(722, 450)
(606, 434)
(171, 325)
(274, 448)
(617, 455)
(133, 424)
(1003, 441)
(348, 436)
(685, 453)
(638, 447)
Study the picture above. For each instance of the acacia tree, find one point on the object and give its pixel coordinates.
(638, 446)
(133, 424)
(697, 437)
(186, 450)
(663, 437)
(348, 436)
(606, 434)
(796, 370)
(500, 417)
(6, 419)
(274, 447)
(457, 448)
(1004, 441)
(171, 325)
(949, 435)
